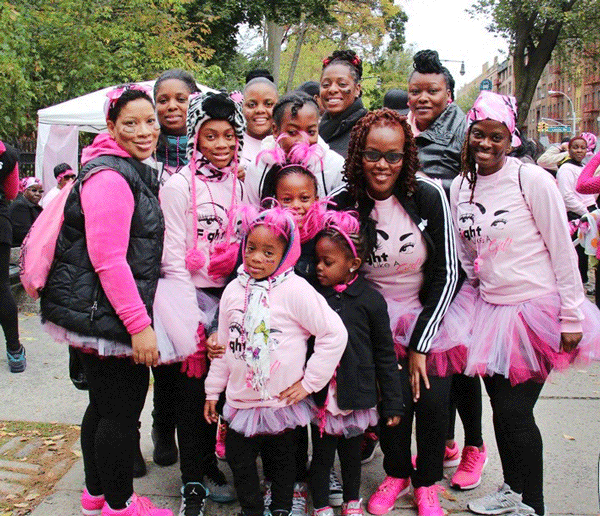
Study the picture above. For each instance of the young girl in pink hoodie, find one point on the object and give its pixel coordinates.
(266, 316)
(531, 315)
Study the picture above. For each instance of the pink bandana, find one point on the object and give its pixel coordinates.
(28, 182)
(113, 95)
(501, 108)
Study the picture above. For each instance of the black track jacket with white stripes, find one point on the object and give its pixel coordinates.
(429, 209)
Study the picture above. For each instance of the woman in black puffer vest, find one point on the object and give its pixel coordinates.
(100, 291)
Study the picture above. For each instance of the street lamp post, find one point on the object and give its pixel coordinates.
(462, 64)
(555, 93)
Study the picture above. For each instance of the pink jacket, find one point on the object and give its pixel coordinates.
(589, 182)
(514, 239)
(107, 203)
(297, 312)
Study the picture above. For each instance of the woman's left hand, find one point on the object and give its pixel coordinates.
(569, 341)
(393, 421)
(417, 370)
(294, 393)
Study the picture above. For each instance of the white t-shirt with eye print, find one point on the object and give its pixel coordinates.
(396, 266)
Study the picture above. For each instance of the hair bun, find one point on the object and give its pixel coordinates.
(427, 61)
(347, 56)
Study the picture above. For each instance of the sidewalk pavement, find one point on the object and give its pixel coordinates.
(568, 414)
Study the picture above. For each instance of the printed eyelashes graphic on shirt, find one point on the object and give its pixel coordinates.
(407, 247)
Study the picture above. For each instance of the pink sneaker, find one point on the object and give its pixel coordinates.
(468, 473)
(91, 505)
(352, 507)
(428, 501)
(139, 506)
(221, 433)
(387, 493)
(451, 457)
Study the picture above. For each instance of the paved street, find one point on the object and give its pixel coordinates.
(568, 414)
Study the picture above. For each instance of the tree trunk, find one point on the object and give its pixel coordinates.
(296, 56)
(274, 36)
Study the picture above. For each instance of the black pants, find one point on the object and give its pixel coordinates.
(117, 391)
(242, 453)
(301, 456)
(582, 260)
(196, 438)
(324, 448)
(465, 395)
(431, 413)
(8, 308)
(164, 397)
(518, 437)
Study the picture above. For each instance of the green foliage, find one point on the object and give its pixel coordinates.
(466, 98)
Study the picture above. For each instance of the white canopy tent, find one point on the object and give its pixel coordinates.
(59, 126)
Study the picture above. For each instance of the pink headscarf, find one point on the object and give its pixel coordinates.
(28, 182)
(590, 139)
(501, 108)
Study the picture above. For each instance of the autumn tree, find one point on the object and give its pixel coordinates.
(534, 29)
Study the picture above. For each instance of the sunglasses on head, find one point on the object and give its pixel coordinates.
(374, 156)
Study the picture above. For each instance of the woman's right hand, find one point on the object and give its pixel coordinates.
(212, 347)
(145, 348)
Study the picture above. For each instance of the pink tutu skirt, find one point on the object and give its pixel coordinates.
(522, 342)
(349, 425)
(448, 353)
(268, 420)
(100, 346)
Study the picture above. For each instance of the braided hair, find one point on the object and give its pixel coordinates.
(428, 61)
(277, 172)
(353, 168)
(296, 100)
(348, 58)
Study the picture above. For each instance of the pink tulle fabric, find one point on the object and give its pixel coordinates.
(448, 353)
(269, 420)
(522, 342)
(349, 425)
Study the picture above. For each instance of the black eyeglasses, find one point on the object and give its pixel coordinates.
(374, 156)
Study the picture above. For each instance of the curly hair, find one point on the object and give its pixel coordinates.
(353, 168)
(348, 58)
(468, 168)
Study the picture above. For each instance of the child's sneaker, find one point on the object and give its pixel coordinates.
(502, 501)
(17, 361)
(221, 433)
(368, 447)
(193, 499)
(468, 474)
(219, 490)
(138, 506)
(91, 505)
(428, 501)
(352, 507)
(267, 496)
(324, 511)
(300, 499)
(387, 493)
(336, 491)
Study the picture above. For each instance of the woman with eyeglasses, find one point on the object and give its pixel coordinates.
(415, 267)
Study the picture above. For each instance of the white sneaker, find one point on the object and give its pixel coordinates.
(267, 497)
(525, 510)
(505, 500)
(336, 491)
(299, 502)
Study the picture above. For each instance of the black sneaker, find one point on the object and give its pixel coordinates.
(219, 490)
(17, 361)
(165, 448)
(368, 447)
(193, 499)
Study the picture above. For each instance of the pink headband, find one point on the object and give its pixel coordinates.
(346, 224)
(113, 95)
(501, 108)
(28, 182)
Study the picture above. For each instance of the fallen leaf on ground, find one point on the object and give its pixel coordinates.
(568, 437)
(448, 495)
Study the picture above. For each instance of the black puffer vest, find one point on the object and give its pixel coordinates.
(73, 296)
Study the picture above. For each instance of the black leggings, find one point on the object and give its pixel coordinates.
(8, 308)
(242, 453)
(465, 395)
(117, 391)
(195, 436)
(431, 413)
(518, 437)
(324, 448)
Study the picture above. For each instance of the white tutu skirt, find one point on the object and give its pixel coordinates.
(103, 347)
(268, 420)
(349, 425)
(448, 352)
(522, 342)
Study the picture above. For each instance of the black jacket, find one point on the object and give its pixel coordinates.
(22, 215)
(73, 296)
(369, 358)
(440, 145)
(429, 209)
(335, 130)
